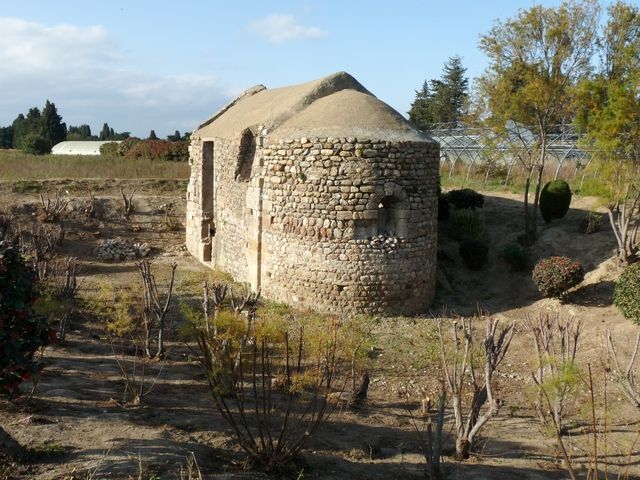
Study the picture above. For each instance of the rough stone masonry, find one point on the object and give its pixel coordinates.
(320, 195)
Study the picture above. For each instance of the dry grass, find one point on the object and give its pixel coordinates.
(17, 165)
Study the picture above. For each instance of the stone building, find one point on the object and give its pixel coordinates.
(320, 195)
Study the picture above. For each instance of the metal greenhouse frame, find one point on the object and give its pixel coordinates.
(478, 146)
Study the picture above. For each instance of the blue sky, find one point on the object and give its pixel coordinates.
(169, 65)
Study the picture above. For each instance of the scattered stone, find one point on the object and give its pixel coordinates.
(120, 250)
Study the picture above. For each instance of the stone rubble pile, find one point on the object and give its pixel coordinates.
(388, 244)
(118, 249)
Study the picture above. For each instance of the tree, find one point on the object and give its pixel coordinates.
(82, 132)
(175, 137)
(19, 127)
(444, 100)
(535, 62)
(6, 137)
(35, 143)
(22, 332)
(105, 133)
(421, 115)
(450, 92)
(609, 112)
(152, 135)
(54, 130)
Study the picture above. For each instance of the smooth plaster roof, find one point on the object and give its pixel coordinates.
(80, 147)
(337, 105)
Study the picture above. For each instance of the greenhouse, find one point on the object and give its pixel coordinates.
(79, 147)
(465, 148)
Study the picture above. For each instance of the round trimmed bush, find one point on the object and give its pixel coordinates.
(22, 332)
(555, 199)
(466, 224)
(465, 198)
(554, 276)
(474, 253)
(516, 256)
(627, 293)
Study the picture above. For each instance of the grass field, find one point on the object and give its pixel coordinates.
(17, 165)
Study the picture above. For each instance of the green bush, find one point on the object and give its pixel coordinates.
(35, 144)
(555, 198)
(109, 149)
(554, 276)
(590, 223)
(516, 256)
(474, 253)
(466, 224)
(627, 293)
(465, 198)
(22, 332)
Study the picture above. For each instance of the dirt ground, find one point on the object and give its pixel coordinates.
(76, 428)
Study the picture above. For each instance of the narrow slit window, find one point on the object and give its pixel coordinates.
(246, 153)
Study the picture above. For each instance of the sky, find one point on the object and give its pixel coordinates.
(169, 65)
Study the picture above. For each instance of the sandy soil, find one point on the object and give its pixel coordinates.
(76, 427)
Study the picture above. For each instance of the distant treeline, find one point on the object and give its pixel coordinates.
(38, 131)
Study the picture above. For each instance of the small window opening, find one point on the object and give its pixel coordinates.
(388, 216)
(246, 153)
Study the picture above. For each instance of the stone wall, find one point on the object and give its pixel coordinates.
(322, 244)
(339, 225)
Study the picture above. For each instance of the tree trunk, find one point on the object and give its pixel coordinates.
(463, 447)
(10, 447)
(527, 219)
(359, 395)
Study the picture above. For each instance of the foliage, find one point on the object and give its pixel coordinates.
(554, 276)
(24, 167)
(555, 199)
(82, 132)
(269, 375)
(465, 198)
(54, 130)
(35, 144)
(22, 332)
(516, 256)
(590, 223)
(109, 149)
(474, 252)
(627, 293)
(38, 131)
(466, 223)
(609, 113)
(159, 150)
(535, 61)
(134, 148)
(444, 101)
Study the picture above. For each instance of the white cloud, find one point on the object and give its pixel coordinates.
(84, 71)
(280, 28)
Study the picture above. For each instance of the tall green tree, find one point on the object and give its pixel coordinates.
(6, 137)
(54, 130)
(420, 114)
(609, 113)
(441, 100)
(536, 59)
(19, 128)
(152, 135)
(105, 133)
(450, 93)
(175, 137)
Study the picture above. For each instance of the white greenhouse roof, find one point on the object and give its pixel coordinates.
(80, 147)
